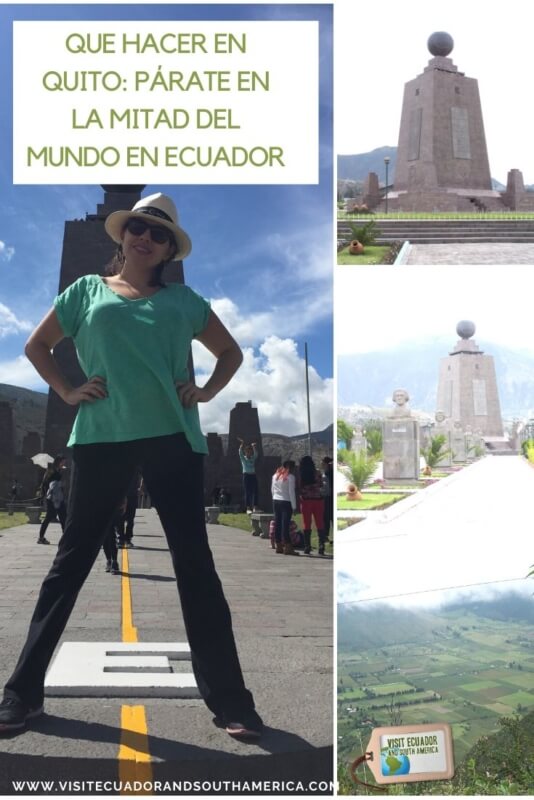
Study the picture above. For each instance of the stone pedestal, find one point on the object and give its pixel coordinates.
(34, 514)
(358, 441)
(459, 452)
(261, 524)
(401, 449)
(443, 428)
(212, 514)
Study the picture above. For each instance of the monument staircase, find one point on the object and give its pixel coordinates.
(443, 231)
(500, 446)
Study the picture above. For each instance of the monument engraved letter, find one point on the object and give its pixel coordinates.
(460, 132)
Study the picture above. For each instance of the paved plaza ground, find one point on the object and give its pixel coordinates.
(456, 253)
(282, 612)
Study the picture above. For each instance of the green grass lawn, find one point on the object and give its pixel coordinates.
(242, 521)
(373, 254)
(7, 521)
(369, 501)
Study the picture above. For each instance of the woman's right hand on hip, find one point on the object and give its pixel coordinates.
(93, 389)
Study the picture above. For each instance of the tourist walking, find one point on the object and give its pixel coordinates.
(137, 409)
(53, 493)
(310, 489)
(13, 492)
(124, 526)
(248, 453)
(284, 505)
(109, 545)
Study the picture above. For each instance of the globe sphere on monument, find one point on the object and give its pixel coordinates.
(465, 329)
(440, 43)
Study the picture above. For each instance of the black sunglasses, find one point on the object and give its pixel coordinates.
(158, 234)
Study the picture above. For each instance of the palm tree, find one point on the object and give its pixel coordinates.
(374, 440)
(362, 467)
(435, 452)
(344, 432)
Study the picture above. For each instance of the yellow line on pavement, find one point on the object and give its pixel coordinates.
(129, 633)
(135, 768)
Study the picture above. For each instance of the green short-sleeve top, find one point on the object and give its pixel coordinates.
(141, 348)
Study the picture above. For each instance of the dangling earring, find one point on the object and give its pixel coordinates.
(120, 254)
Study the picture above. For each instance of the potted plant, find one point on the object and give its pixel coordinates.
(362, 468)
(356, 247)
(362, 235)
(353, 493)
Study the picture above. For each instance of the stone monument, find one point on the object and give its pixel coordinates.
(7, 431)
(467, 385)
(358, 441)
(224, 470)
(401, 441)
(442, 427)
(459, 453)
(442, 158)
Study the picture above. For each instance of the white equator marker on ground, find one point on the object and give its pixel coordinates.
(122, 669)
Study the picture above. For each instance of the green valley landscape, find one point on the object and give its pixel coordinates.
(470, 665)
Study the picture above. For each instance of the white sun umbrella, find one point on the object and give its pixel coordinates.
(42, 460)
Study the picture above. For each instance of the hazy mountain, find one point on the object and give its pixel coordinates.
(295, 447)
(370, 378)
(377, 626)
(357, 167)
(29, 413)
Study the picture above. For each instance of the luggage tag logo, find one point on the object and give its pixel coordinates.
(408, 753)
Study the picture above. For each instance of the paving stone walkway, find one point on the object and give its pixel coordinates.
(455, 253)
(283, 621)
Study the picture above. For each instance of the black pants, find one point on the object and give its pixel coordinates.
(328, 514)
(53, 514)
(250, 488)
(283, 512)
(110, 545)
(174, 477)
(125, 523)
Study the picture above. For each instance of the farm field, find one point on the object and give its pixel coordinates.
(467, 670)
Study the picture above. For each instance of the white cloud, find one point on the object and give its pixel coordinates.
(19, 372)
(273, 378)
(250, 329)
(287, 274)
(10, 324)
(6, 252)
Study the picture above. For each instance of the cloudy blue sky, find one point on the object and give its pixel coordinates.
(381, 46)
(261, 254)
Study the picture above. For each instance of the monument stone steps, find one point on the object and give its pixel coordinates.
(444, 231)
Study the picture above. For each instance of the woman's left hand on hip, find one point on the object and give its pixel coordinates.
(190, 394)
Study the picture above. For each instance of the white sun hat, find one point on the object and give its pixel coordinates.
(156, 208)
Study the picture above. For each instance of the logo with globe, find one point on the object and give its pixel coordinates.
(393, 763)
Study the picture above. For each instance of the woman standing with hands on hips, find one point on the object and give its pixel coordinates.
(138, 409)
